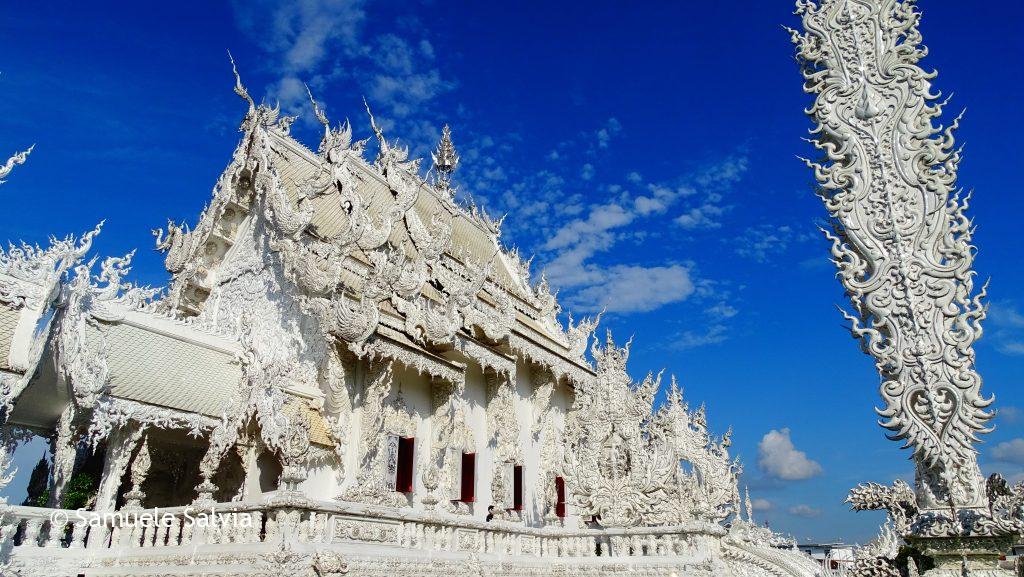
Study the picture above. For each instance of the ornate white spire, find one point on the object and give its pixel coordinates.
(446, 160)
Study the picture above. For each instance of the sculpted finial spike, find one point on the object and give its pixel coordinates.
(321, 117)
(239, 89)
(446, 160)
(13, 161)
(376, 129)
(749, 506)
(384, 153)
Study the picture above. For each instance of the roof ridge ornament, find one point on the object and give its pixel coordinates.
(334, 141)
(480, 215)
(446, 161)
(18, 158)
(390, 155)
(262, 114)
(239, 88)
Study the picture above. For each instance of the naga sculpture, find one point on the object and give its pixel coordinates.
(901, 241)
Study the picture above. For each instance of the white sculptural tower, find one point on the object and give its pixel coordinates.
(902, 244)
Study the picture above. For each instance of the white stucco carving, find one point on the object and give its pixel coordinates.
(902, 243)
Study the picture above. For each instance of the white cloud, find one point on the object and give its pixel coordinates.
(602, 218)
(628, 289)
(779, 458)
(611, 128)
(579, 243)
(690, 339)
(762, 505)
(764, 241)
(1014, 348)
(1011, 451)
(1010, 414)
(722, 311)
(713, 181)
(404, 78)
(301, 33)
(299, 36)
(805, 511)
(645, 205)
(1006, 314)
(1008, 323)
(659, 198)
(727, 172)
(700, 217)
(318, 41)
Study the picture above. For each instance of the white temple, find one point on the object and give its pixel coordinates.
(348, 375)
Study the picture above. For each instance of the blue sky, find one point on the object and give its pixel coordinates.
(646, 155)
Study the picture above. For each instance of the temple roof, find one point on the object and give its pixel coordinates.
(468, 236)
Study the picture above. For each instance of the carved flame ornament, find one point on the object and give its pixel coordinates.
(901, 241)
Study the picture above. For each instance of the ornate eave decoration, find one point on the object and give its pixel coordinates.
(91, 301)
(110, 413)
(379, 348)
(530, 350)
(486, 357)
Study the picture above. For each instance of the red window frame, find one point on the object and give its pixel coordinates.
(404, 478)
(560, 492)
(517, 488)
(468, 478)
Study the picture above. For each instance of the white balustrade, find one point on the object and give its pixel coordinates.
(263, 525)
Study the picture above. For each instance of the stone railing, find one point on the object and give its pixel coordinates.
(293, 519)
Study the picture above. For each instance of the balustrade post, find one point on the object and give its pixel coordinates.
(163, 533)
(78, 534)
(215, 534)
(32, 529)
(187, 529)
(198, 534)
(148, 536)
(99, 533)
(8, 530)
(55, 535)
